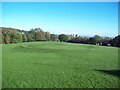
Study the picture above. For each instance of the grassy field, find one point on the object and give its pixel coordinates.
(0, 66)
(63, 65)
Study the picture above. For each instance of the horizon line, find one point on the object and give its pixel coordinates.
(62, 33)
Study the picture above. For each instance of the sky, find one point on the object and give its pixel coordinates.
(60, 0)
(82, 18)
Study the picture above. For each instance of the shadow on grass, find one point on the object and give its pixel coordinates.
(115, 73)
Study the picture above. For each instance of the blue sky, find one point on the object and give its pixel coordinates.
(83, 18)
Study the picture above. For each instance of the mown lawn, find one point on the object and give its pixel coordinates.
(60, 65)
(0, 66)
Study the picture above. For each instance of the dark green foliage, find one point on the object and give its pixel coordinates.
(15, 37)
(7, 39)
(47, 36)
(116, 41)
(11, 35)
(31, 35)
(40, 36)
(1, 38)
(19, 37)
(113, 42)
(63, 37)
(97, 39)
(24, 38)
(53, 37)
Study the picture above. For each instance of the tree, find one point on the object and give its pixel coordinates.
(115, 41)
(70, 37)
(30, 37)
(13, 37)
(24, 37)
(39, 36)
(19, 37)
(91, 40)
(47, 36)
(63, 37)
(97, 39)
(1, 38)
(105, 41)
(94, 40)
(7, 39)
(53, 37)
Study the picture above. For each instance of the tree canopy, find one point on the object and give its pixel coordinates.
(12, 35)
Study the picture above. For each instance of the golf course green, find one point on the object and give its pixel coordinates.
(59, 65)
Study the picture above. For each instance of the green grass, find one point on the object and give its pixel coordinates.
(0, 67)
(60, 65)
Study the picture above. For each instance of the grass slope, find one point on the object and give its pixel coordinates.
(55, 64)
(0, 66)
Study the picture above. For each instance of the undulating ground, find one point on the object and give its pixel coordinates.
(60, 65)
(0, 66)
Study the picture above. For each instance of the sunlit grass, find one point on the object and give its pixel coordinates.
(55, 64)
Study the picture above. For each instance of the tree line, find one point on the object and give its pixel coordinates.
(97, 40)
(12, 35)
